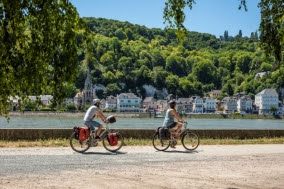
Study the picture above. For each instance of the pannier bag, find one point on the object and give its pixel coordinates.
(112, 139)
(76, 130)
(111, 119)
(83, 133)
(164, 133)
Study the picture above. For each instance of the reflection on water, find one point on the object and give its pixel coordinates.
(140, 123)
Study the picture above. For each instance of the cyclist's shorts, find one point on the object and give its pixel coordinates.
(172, 125)
(92, 124)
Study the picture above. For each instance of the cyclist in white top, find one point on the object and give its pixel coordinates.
(90, 114)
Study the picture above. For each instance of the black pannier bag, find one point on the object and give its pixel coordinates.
(164, 133)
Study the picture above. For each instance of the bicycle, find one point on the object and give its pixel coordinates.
(84, 144)
(189, 139)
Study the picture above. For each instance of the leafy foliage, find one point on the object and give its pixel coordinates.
(194, 66)
(38, 49)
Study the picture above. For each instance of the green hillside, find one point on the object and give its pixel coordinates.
(123, 57)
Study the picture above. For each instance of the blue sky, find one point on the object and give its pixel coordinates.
(207, 16)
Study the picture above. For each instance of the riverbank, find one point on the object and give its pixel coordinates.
(143, 115)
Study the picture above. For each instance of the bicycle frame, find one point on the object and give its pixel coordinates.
(184, 130)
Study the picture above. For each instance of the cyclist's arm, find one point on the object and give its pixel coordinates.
(101, 115)
(174, 113)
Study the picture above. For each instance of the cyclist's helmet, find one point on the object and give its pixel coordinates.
(95, 101)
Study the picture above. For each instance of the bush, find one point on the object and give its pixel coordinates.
(71, 107)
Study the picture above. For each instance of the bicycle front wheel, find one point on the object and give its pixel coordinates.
(160, 145)
(190, 141)
(113, 146)
(79, 146)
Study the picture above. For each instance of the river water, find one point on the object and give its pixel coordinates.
(140, 123)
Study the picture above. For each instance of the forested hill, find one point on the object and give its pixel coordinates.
(124, 57)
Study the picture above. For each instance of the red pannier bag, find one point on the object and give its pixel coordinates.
(112, 139)
(83, 133)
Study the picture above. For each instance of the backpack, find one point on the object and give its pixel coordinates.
(83, 133)
(164, 133)
(112, 139)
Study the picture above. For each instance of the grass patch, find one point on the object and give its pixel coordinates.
(138, 142)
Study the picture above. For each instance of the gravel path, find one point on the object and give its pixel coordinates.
(230, 166)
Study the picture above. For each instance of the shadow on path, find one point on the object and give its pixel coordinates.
(104, 153)
(180, 151)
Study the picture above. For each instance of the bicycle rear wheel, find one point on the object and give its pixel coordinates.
(114, 147)
(160, 145)
(190, 141)
(79, 146)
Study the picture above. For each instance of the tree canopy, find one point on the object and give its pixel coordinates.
(271, 26)
(38, 49)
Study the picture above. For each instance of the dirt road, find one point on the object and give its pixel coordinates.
(236, 166)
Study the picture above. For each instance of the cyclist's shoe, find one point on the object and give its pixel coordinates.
(98, 138)
(173, 146)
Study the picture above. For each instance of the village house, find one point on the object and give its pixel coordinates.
(197, 105)
(14, 103)
(128, 102)
(179, 107)
(149, 104)
(229, 104)
(162, 105)
(244, 104)
(215, 93)
(265, 100)
(210, 105)
(103, 104)
(111, 103)
(239, 95)
(44, 99)
(186, 104)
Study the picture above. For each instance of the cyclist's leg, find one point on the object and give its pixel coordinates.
(92, 125)
(98, 131)
(179, 127)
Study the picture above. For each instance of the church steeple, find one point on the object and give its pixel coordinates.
(88, 82)
(88, 90)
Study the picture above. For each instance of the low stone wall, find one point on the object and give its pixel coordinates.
(36, 134)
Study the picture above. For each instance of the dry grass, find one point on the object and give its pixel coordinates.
(137, 142)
